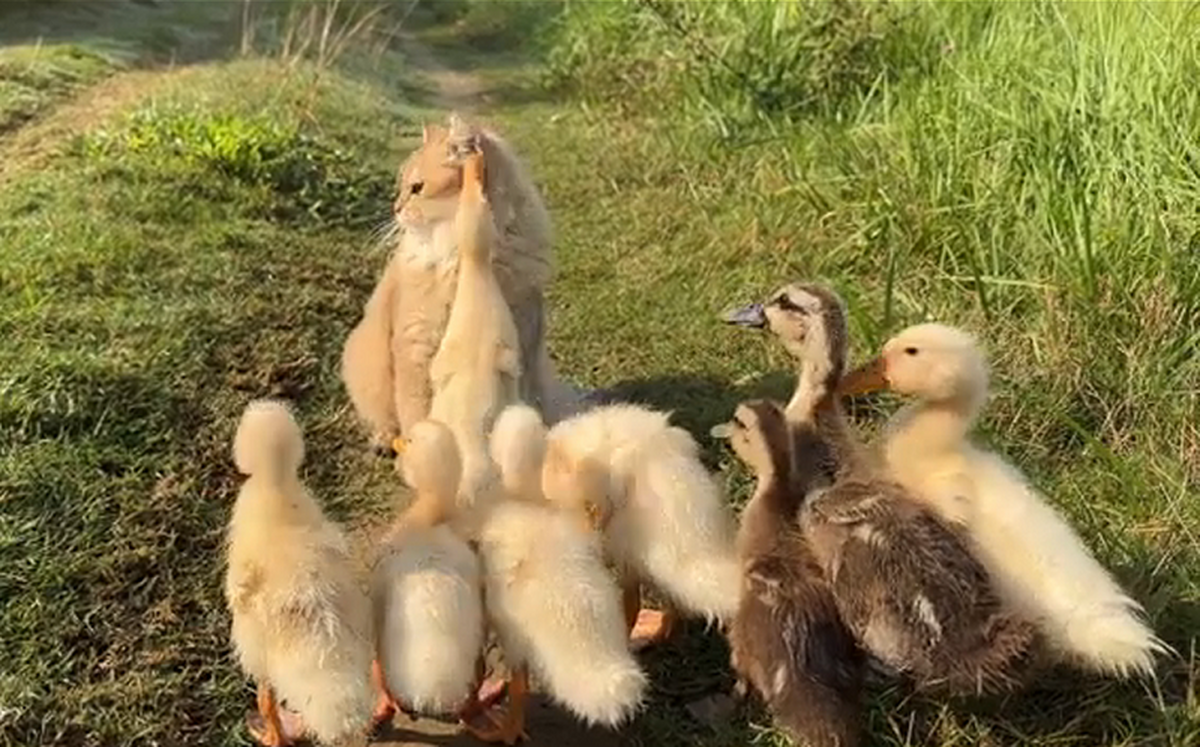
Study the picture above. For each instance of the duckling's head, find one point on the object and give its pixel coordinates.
(579, 484)
(430, 459)
(810, 321)
(518, 446)
(932, 362)
(758, 434)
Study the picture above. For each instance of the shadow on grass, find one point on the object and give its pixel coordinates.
(698, 401)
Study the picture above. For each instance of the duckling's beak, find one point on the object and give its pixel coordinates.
(399, 443)
(753, 315)
(721, 430)
(869, 377)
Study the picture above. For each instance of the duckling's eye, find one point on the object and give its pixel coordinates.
(416, 188)
(786, 304)
(910, 351)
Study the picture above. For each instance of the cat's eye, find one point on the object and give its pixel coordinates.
(416, 188)
(910, 351)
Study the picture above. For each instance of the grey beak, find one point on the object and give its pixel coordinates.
(753, 315)
(721, 430)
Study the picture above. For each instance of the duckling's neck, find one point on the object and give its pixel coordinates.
(814, 391)
(431, 508)
(923, 429)
(815, 405)
(770, 513)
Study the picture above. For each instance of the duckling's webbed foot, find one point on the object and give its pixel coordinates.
(491, 691)
(506, 726)
(272, 726)
(651, 627)
(646, 626)
(386, 706)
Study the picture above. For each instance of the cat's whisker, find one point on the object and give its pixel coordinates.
(384, 236)
(381, 229)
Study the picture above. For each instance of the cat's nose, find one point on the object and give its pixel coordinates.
(398, 205)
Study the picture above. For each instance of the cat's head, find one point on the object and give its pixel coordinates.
(431, 178)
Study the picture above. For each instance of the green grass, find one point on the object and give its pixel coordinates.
(1027, 171)
(33, 77)
(187, 258)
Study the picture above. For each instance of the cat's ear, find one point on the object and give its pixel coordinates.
(431, 132)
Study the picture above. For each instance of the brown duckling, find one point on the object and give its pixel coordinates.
(787, 639)
(905, 581)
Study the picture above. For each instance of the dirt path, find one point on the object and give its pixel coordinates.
(454, 89)
(33, 144)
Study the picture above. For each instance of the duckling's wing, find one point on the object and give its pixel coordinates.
(847, 503)
(789, 642)
(912, 591)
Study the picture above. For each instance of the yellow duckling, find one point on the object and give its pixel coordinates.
(549, 596)
(475, 372)
(427, 589)
(664, 520)
(1040, 565)
(301, 623)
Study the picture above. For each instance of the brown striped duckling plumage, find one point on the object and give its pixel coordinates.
(787, 639)
(905, 582)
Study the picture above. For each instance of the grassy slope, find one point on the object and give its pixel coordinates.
(208, 246)
(146, 294)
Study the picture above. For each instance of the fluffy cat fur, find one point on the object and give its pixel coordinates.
(386, 359)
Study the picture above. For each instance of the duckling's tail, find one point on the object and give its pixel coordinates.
(687, 531)
(1001, 660)
(556, 606)
(268, 440)
(1116, 641)
(598, 685)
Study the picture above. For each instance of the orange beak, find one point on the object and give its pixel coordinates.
(869, 377)
(398, 444)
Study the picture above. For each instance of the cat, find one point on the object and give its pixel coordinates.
(386, 359)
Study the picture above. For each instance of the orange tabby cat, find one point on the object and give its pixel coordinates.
(386, 360)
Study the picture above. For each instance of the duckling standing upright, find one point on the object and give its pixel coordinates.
(301, 623)
(427, 589)
(1041, 567)
(905, 582)
(787, 639)
(475, 371)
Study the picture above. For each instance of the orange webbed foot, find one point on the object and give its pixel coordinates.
(507, 726)
(272, 726)
(651, 627)
(502, 727)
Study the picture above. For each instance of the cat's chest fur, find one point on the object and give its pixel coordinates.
(432, 250)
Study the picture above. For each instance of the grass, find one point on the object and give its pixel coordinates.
(1024, 171)
(33, 77)
(1027, 171)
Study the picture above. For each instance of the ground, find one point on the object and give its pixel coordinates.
(188, 221)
